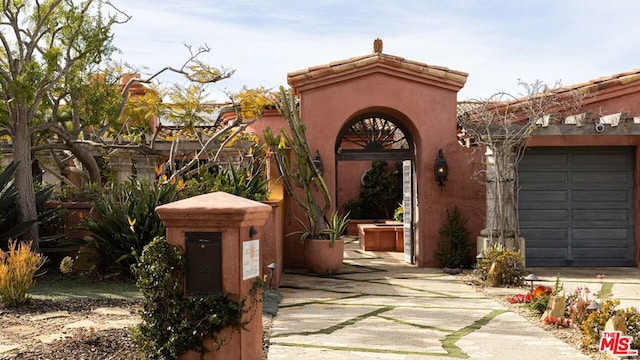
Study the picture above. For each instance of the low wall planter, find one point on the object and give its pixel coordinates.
(381, 237)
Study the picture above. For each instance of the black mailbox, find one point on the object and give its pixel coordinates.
(203, 255)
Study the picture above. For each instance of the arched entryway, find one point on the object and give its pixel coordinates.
(372, 138)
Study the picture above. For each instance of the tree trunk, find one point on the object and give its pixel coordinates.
(88, 162)
(26, 197)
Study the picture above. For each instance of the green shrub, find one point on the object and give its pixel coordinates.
(248, 180)
(454, 248)
(398, 213)
(126, 221)
(379, 193)
(173, 324)
(73, 193)
(539, 303)
(541, 295)
(18, 266)
(510, 265)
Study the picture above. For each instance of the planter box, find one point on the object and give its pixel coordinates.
(352, 228)
(381, 237)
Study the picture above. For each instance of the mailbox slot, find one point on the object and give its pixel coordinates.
(203, 255)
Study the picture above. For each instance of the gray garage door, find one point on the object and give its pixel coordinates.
(576, 206)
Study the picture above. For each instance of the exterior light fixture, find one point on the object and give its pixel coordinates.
(594, 305)
(531, 278)
(253, 231)
(440, 169)
(272, 267)
(317, 162)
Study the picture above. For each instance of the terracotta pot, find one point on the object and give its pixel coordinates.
(323, 259)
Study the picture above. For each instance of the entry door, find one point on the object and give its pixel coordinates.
(407, 204)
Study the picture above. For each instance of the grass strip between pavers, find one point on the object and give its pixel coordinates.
(605, 290)
(377, 282)
(449, 342)
(341, 325)
(324, 302)
(437, 294)
(367, 350)
(426, 327)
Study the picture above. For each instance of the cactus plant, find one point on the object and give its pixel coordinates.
(315, 199)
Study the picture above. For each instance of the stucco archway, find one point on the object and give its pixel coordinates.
(378, 136)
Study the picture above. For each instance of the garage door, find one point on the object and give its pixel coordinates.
(576, 206)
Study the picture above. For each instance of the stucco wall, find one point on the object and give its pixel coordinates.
(429, 112)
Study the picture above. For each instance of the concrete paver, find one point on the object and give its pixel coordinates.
(378, 307)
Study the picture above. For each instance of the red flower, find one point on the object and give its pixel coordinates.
(541, 290)
(519, 299)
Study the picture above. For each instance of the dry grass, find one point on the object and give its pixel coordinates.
(18, 267)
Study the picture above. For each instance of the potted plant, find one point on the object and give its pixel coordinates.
(324, 252)
(303, 182)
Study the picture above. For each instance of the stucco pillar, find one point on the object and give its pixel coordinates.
(121, 164)
(232, 227)
(145, 166)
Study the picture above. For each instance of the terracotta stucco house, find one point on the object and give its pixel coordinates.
(578, 179)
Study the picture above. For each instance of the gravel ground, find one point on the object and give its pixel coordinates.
(24, 324)
(19, 327)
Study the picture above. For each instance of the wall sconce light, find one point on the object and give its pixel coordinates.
(317, 162)
(253, 231)
(440, 169)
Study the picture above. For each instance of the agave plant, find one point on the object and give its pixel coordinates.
(9, 226)
(125, 221)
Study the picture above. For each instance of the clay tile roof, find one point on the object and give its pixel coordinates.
(604, 82)
(342, 66)
(591, 86)
(464, 107)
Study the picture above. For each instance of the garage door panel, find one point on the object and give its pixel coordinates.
(602, 159)
(544, 196)
(613, 179)
(547, 252)
(604, 195)
(550, 236)
(607, 253)
(556, 206)
(547, 216)
(606, 215)
(547, 256)
(543, 180)
(584, 216)
(597, 237)
(550, 160)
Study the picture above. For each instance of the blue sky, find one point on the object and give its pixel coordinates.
(496, 42)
